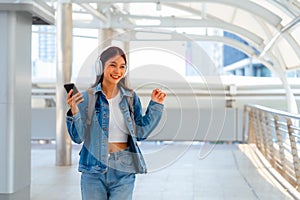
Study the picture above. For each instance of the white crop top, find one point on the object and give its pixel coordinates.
(118, 131)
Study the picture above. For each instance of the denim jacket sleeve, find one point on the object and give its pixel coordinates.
(76, 124)
(145, 124)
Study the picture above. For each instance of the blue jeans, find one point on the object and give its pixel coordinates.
(115, 184)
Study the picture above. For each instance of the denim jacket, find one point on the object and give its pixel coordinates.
(94, 151)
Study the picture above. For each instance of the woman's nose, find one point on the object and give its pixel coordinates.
(117, 70)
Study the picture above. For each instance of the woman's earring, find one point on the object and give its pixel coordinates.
(98, 67)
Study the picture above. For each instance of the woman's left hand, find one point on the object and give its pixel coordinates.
(158, 96)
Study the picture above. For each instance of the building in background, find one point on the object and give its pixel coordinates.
(238, 63)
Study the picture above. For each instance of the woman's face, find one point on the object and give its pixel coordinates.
(114, 70)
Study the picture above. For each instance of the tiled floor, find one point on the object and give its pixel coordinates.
(182, 171)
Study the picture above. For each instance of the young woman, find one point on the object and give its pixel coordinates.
(110, 156)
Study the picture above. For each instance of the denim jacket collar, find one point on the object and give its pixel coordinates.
(124, 92)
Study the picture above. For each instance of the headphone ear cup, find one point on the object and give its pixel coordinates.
(98, 67)
(126, 72)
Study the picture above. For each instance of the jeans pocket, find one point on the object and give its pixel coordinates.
(125, 162)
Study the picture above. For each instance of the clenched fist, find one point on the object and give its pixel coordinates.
(158, 96)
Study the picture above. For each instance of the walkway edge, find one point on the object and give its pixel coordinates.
(267, 166)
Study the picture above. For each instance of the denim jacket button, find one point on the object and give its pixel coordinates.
(129, 119)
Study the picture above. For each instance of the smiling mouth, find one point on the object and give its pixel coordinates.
(115, 77)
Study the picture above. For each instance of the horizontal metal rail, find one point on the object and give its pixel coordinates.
(276, 135)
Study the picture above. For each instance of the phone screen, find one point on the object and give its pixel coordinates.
(69, 86)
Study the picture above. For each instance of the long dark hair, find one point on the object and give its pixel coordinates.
(104, 57)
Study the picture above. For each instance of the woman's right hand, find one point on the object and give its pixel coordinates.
(74, 100)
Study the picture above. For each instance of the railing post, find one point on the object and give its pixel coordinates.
(248, 127)
(246, 120)
(294, 152)
(262, 129)
(281, 148)
(270, 145)
(251, 137)
(257, 129)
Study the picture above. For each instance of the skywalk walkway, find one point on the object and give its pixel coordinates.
(177, 171)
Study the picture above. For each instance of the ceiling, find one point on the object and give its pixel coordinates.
(271, 28)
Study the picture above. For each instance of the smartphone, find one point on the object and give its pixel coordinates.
(69, 86)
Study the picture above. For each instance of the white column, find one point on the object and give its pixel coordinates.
(105, 37)
(15, 104)
(63, 75)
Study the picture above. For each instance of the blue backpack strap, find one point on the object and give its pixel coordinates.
(130, 103)
(92, 97)
(129, 100)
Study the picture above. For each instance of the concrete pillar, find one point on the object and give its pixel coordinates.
(15, 104)
(105, 37)
(249, 68)
(126, 47)
(239, 72)
(63, 75)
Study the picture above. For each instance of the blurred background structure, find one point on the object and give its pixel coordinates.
(230, 68)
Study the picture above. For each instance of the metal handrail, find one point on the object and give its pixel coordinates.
(276, 135)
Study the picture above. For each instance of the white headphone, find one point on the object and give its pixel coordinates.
(98, 66)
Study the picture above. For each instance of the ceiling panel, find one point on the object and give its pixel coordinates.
(263, 19)
(288, 54)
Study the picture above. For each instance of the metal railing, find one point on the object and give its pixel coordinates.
(276, 134)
